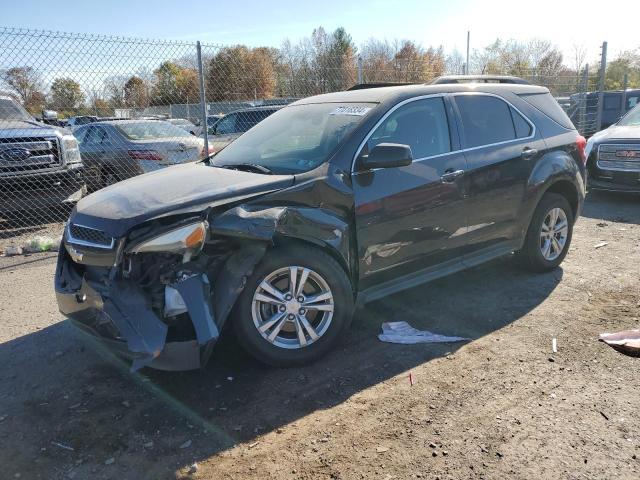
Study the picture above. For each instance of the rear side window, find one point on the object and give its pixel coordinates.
(550, 107)
(421, 124)
(485, 120)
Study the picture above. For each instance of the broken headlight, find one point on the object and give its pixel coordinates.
(187, 240)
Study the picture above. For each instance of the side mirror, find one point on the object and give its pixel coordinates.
(49, 115)
(386, 155)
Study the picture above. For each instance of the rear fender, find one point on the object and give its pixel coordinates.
(554, 167)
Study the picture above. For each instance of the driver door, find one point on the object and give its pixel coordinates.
(411, 218)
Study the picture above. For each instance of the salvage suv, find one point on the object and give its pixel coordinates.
(331, 202)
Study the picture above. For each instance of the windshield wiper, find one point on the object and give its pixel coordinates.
(249, 167)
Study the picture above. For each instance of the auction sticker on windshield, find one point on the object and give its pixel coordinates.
(353, 110)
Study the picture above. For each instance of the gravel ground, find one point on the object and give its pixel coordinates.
(500, 406)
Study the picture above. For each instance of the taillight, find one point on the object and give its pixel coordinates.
(145, 155)
(581, 145)
(212, 150)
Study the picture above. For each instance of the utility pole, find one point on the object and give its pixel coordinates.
(468, 42)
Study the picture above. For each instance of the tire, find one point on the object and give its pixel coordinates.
(286, 348)
(532, 256)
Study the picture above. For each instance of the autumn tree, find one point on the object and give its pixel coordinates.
(173, 83)
(240, 73)
(401, 61)
(136, 93)
(26, 83)
(66, 95)
(627, 62)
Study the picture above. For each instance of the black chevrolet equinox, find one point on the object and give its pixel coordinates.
(333, 201)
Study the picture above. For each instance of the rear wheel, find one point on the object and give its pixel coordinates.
(549, 234)
(294, 307)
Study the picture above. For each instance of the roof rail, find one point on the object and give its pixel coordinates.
(362, 86)
(478, 79)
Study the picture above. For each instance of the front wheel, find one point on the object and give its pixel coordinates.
(294, 307)
(549, 234)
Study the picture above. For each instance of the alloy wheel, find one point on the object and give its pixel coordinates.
(553, 234)
(292, 307)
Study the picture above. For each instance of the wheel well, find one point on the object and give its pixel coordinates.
(281, 241)
(568, 191)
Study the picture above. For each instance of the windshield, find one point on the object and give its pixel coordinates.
(151, 130)
(10, 110)
(295, 139)
(631, 119)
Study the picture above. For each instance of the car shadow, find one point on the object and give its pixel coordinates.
(612, 207)
(60, 386)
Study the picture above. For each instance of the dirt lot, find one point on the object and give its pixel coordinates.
(500, 406)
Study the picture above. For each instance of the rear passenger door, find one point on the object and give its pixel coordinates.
(501, 148)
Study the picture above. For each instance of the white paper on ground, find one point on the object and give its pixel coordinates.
(402, 332)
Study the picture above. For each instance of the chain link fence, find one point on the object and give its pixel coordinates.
(81, 112)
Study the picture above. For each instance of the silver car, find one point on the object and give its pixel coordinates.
(119, 149)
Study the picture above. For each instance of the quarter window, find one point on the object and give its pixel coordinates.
(421, 124)
(485, 120)
(523, 128)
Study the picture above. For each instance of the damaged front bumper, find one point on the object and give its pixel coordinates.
(119, 313)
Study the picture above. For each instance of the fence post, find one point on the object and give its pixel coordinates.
(466, 65)
(360, 70)
(584, 90)
(203, 101)
(601, 75)
(623, 104)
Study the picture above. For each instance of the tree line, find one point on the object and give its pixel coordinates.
(323, 62)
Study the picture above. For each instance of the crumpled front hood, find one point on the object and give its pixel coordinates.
(118, 208)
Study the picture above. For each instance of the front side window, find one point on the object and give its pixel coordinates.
(421, 124)
(485, 120)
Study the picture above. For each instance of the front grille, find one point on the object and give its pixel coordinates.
(619, 157)
(28, 154)
(90, 237)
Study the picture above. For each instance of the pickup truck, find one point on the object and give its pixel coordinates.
(40, 165)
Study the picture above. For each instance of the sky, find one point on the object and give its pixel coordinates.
(267, 23)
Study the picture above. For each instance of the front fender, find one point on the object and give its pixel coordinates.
(270, 224)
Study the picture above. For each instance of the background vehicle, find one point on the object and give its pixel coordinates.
(334, 200)
(186, 125)
(234, 124)
(614, 155)
(115, 150)
(73, 122)
(583, 107)
(40, 165)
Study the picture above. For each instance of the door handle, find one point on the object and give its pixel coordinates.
(451, 175)
(527, 153)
